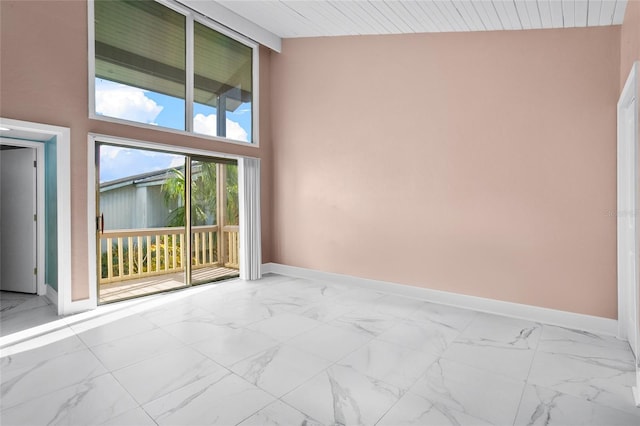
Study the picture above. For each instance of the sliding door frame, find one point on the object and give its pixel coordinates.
(190, 154)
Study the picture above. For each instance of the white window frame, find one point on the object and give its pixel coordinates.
(191, 17)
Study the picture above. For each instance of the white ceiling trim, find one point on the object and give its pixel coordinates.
(236, 22)
(275, 19)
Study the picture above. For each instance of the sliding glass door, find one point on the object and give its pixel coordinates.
(214, 220)
(166, 221)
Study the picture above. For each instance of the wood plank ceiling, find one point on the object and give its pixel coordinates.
(316, 18)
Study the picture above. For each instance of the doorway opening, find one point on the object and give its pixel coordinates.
(165, 221)
(18, 219)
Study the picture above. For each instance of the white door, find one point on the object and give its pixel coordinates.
(633, 229)
(627, 226)
(18, 220)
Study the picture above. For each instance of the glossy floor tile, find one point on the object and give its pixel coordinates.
(341, 395)
(415, 410)
(220, 399)
(20, 383)
(277, 414)
(91, 401)
(280, 369)
(289, 351)
(541, 406)
(20, 312)
(478, 393)
(329, 342)
(504, 346)
(596, 368)
(393, 364)
(152, 378)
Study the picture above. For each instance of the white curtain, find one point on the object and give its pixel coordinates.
(250, 230)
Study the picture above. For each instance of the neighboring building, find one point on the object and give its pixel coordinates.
(135, 202)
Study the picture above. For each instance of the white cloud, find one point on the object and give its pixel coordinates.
(118, 162)
(207, 125)
(236, 132)
(130, 103)
(176, 162)
(109, 152)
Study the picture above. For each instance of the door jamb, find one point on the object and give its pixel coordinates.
(628, 295)
(628, 94)
(62, 297)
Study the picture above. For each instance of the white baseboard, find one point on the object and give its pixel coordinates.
(52, 295)
(75, 307)
(68, 308)
(516, 310)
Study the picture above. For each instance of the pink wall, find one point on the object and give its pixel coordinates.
(477, 163)
(629, 40)
(481, 163)
(44, 79)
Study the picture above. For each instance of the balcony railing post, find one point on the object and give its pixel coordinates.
(120, 259)
(130, 255)
(109, 259)
(221, 208)
(140, 258)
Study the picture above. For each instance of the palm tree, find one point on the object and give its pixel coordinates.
(173, 190)
(203, 195)
(233, 209)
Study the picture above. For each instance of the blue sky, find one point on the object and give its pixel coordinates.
(121, 101)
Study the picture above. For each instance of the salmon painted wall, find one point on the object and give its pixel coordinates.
(476, 163)
(44, 79)
(629, 40)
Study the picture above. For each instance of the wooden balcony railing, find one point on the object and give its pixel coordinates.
(137, 253)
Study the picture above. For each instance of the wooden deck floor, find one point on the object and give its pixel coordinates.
(141, 287)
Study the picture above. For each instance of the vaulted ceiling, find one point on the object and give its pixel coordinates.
(313, 18)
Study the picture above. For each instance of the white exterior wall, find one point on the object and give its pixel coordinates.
(132, 207)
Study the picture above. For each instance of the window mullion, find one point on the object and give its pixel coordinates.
(190, 75)
(221, 112)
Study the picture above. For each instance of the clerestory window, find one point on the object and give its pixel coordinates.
(159, 64)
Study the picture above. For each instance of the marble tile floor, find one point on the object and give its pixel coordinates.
(19, 311)
(286, 351)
